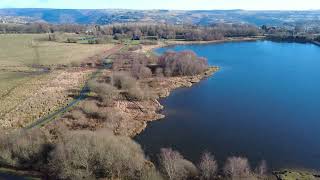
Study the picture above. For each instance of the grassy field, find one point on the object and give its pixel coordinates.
(26, 49)
(296, 175)
(21, 82)
(18, 52)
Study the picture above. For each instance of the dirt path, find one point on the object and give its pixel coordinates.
(83, 93)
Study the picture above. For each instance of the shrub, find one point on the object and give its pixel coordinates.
(149, 42)
(95, 155)
(134, 48)
(110, 117)
(91, 109)
(75, 64)
(174, 166)
(77, 114)
(122, 80)
(105, 92)
(25, 149)
(184, 63)
(236, 167)
(159, 72)
(71, 40)
(125, 60)
(140, 93)
(207, 166)
(140, 71)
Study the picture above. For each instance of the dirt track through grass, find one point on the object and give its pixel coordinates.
(27, 92)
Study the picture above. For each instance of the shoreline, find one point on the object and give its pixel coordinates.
(151, 110)
(153, 114)
(168, 43)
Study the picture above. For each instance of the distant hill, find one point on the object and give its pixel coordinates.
(203, 17)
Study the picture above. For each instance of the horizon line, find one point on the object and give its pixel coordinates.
(231, 9)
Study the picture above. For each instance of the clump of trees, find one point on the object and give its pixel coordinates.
(130, 87)
(76, 155)
(208, 166)
(24, 149)
(96, 155)
(175, 167)
(106, 93)
(184, 63)
(237, 167)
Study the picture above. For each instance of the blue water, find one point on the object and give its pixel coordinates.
(263, 104)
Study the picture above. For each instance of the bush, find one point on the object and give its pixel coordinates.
(91, 109)
(140, 71)
(125, 60)
(174, 166)
(77, 114)
(75, 64)
(208, 166)
(237, 167)
(95, 155)
(134, 48)
(184, 63)
(24, 150)
(71, 40)
(110, 118)
(105, 92)
(159, 72)
(140, 93)
(123, 80)
(149, 42)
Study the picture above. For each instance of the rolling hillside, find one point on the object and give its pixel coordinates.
(108, 16)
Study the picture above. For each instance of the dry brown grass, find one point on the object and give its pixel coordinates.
(25, 49)
(26, 95)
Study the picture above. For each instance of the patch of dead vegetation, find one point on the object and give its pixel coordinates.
(40, 96)
(128, 116)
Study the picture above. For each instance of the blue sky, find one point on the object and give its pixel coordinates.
(165, 4)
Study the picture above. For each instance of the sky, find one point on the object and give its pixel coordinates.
(166, 4)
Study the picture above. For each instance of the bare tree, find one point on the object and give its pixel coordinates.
(105, 92)
(207, 166)
(262, 168)
(123, 80)
(140, 71)
(24, 149)
(237, 167)
(174, 166)
(96, 155)
(184, 63)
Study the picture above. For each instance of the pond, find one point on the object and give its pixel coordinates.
(263, 104)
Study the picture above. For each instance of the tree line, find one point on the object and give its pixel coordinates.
(137, 31)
